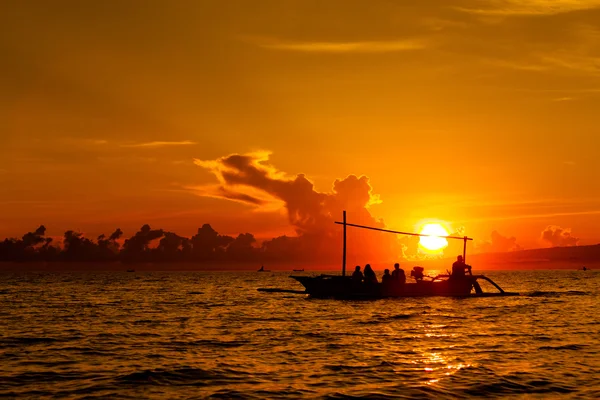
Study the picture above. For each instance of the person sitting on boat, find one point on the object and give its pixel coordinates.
(387, 282)
(459, 267)
(398, 275)
(357, 275)
(386, 279)
(370, 276)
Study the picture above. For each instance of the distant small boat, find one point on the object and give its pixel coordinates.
(131, 270)
(262, 269)
(584, 269)
(298, 270)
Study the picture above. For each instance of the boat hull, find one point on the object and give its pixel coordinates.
(330, 286)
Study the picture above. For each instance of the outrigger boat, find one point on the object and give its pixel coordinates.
(343, 287)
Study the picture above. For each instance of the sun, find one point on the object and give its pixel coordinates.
(434, 242)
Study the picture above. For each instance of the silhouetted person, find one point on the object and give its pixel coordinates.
(357, 275)
(386, 279)
(398, 275)
(370, 276)
(387, 282)
(459, 267)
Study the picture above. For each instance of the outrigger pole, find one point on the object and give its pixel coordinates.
(464, 238)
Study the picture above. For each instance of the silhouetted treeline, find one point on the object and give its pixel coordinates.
(152, 245)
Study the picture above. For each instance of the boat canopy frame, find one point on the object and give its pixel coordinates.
(345, 223)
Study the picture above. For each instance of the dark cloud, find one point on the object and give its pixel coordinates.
(244, 198)
(308, 210)
(499, 244)
(556, 236)
(249, 177)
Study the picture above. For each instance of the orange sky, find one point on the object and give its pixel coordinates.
(483, 114)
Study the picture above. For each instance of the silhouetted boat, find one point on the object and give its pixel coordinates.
(131, 270)
(336, 286)
(298, 270)
(262, 269)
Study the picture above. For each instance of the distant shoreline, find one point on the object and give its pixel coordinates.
(433, 265)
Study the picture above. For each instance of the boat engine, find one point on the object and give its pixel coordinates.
(417, 273)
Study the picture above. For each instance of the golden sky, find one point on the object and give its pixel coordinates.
(480, 113)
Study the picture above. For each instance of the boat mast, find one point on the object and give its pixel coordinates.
(344, 254)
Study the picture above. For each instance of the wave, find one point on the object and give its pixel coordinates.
(185, 376)
(564, 347)
(557, 294)
(28, 341)
(381, 319)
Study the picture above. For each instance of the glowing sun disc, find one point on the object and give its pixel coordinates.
(434, 242)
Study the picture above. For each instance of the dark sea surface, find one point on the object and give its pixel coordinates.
(212, 334)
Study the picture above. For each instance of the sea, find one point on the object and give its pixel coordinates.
(196, 335)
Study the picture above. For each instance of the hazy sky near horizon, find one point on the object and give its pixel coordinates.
(480, 113)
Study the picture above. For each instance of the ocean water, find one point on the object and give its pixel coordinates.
(213, 335)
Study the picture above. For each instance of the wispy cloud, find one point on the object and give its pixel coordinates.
(75, 141)
(368, 46)
(161, 144)
(517, 65)
(533, 7)
(574, 62)
(553, 62)
(533, 216)
(242, 194)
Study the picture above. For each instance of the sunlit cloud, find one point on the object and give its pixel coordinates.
(555, 236)
(498, 243)
(368, 46)
(161, 144)
(533, 7)
(74, 141)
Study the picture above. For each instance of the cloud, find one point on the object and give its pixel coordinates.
(369, 46)
(516, 65)
(499, 244)
(161, 144)
(534, 216)
(244, 195)
(251, 179)
(532, 7)
(556, 236)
